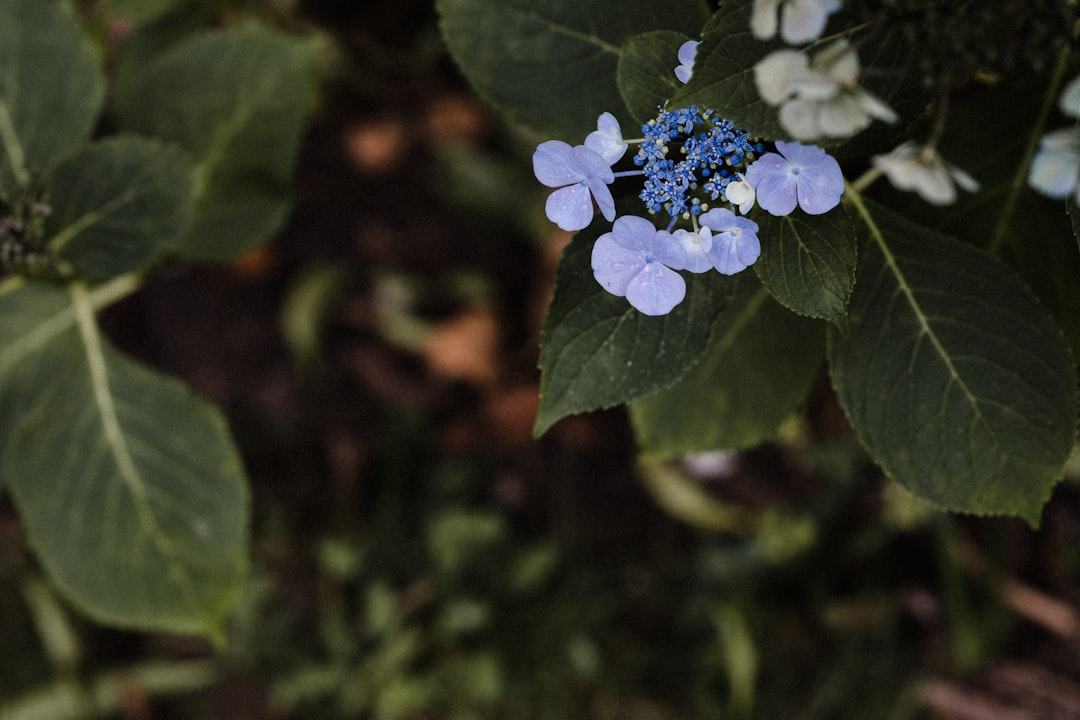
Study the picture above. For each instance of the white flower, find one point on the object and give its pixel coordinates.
(820, 97)
(740, 194)
(687, 54)
(920, 168)
(800, 20)
(1055, 169)
(607, 140)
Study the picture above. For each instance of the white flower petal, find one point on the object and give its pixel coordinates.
(1070, 98)
(772, 74)
(763, 19)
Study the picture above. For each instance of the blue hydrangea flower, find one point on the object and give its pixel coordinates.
(735, 244)
(800, 174)
(687, 55)
(581, 175)
(638, 262)
(607, 140)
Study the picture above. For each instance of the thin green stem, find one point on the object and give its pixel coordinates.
(1008, 207)
(12, 147)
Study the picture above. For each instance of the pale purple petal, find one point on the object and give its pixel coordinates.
(773, 184)
(697, 246)
(735, 250)
(555, 164)
(570, 207)
(687, 55)
(656, 290)
(604, 200)
(613, 265)
(820, 186)
(633, 233)
(666, 249)
(607, 140)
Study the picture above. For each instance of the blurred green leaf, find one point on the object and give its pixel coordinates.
(51, 87)
(117, 204)
(646, 72)
(596, 351)
(808, 262)
(236, 99)
(551, 65)
(138, 11)
(760, 363)
(129, 486)
(954, 377)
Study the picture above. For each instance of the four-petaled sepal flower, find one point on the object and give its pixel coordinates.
(581, 175)
(803, 175)
(735, 244)
(1055, 169)
(638, 262)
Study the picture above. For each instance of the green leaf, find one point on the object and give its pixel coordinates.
(597, 352)
(723, 76)
(808, 262)
(138, 11)
(953, 375)
(51, 87)
(550, 65)
(760, 363)
(130, 488)
(646, 72)
(236, 100)
(1029, 232)
(117, 204)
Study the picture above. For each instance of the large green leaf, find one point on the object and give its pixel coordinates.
(236, 100)
(117, 204)
(1028, 231)
(51, 87)
(954, 377)
(760, 363)
(596, 351)
(550, 65)
(130, 488)
(808, 262)
(646, 72)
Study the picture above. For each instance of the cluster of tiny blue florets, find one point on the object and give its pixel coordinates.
(713, 151)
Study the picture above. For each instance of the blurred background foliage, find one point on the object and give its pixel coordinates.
(418, 556)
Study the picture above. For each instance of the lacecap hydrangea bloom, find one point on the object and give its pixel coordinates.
(697, 169)
(800, 20)
(1055, 169)
(819, 98)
